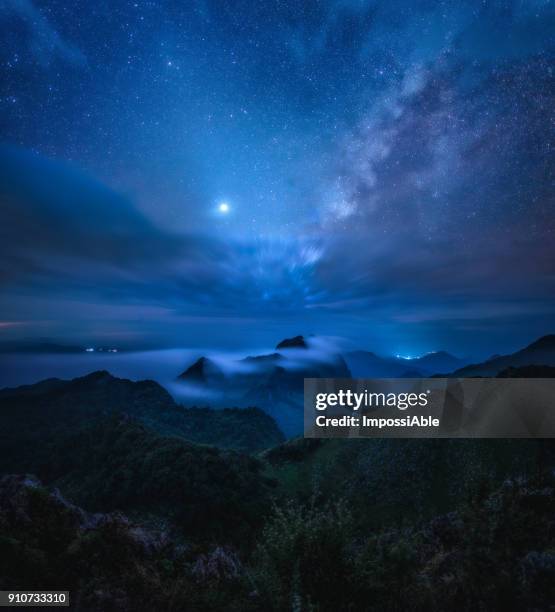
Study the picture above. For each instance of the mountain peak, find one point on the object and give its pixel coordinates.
(296, 342)
(196, 371)
(201, 371)
(97, 375)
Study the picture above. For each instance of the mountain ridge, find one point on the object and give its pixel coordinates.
(100, 394)
(274, 382)
(540, 352)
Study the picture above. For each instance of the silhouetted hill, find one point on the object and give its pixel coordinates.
(540, 352)
(545, 343)
(439, 361)
(203, 371)
(52, 404)
(296, 342)
(98, 438)
(365, 364)
(273, 382)
(209, 529)
(528, 372)
(114, 463)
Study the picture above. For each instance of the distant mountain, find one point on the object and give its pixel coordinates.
(365, 364)
(52, 404)
(273, 382)
(539, 353)
(296, 342)
(281, 390)
(203, 371)
(438, 361)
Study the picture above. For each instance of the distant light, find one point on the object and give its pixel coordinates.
(407, 357)
(223, 207)
(89, 350)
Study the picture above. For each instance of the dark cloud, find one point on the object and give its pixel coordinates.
(63, 233)
(52, 212)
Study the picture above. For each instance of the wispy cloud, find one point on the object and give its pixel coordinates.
(46, 43)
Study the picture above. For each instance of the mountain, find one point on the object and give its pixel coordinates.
(115, 463)
(130, 519)
(539, 353)
(285, 379)
(278, 388)
(203, 371)
(438, 361)
(296, 342)
(54, 403)
(365, 364)
(274, 382)
(112, 444)
(280, 392)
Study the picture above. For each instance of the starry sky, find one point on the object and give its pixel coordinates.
(227, 173)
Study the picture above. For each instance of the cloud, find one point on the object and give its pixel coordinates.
(51, 211)
(64, 234)
(45, 42)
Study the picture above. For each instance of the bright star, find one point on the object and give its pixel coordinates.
(223, 207)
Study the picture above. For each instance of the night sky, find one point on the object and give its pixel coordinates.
(227, 173)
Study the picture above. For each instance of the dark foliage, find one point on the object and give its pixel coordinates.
(117, 464)
(32, 414)
(308, 525)
(106, 562)
(495, 552)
